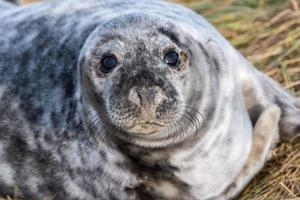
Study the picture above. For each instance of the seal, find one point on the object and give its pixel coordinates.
(117, 100)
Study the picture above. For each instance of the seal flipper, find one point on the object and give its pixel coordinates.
(290, 106)
(259, 90)
(264, 136)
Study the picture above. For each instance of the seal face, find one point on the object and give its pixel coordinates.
(136, 77)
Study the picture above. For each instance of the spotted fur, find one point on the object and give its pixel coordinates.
(70, 131)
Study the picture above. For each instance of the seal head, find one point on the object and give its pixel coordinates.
(136, 75)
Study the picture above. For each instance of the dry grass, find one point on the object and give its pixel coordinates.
(267, 32)
(280, 179)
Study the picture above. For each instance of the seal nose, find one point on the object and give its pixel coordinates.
(147, 99)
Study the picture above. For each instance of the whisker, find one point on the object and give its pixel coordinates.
(94, 133)
(91, 110)
(202, 116)
(195, 122)
(196, 117)
(186, 117)
(182, 121)
(179, 127)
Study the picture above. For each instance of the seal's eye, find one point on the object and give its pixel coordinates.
(108, 63)
(171, 58)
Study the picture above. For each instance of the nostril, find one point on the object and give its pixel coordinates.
(159, 96)
(135, 97)
(146, 97)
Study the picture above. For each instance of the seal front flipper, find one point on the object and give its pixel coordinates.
(265, 134)
(290, 106)
(259, 90)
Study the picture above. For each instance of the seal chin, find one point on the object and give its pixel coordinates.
(146, 128)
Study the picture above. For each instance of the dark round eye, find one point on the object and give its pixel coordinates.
(171, 58)
(108, 63)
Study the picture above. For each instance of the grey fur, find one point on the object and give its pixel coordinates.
(145, 130)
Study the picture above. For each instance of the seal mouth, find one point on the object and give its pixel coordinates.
(146, 128)
(149, 124)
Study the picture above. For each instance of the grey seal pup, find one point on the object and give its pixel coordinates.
(130, 100)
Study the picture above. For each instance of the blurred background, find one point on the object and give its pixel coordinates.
(267, 32)
(28, 1)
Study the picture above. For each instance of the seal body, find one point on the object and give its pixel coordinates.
(71, 131)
